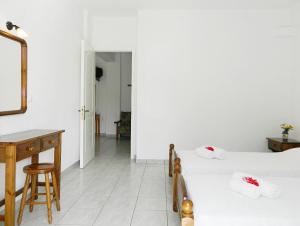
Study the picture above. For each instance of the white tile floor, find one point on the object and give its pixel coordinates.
(112, 191)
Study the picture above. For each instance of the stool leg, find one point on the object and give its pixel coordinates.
(33, 191)
(55, 191)
(48, 196)
(24, 197)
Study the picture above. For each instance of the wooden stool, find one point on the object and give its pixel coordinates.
(32, 171)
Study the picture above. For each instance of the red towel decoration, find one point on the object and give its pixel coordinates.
(210, 148)
(250, 180)
(210, 152)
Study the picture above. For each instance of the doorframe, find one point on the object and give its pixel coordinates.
(133, 138)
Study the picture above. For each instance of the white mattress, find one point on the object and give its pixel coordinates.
(285, 164)
(215, 204)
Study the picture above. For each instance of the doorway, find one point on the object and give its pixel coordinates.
(113, 104)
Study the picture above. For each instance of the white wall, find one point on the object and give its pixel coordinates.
(54, 29)
(296, 89)
(108, 101)
(212, 77)
(126, 72)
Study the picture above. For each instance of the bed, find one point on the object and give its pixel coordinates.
(207, 200)
(282, 164)
(262, 163)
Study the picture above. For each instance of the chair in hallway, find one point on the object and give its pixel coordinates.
(32, 171)
(124, 125)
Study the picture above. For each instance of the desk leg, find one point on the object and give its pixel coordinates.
(57, 163)
(35, 159)
(10, 185)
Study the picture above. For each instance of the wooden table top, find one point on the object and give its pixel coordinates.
(28, 135)
(289, 141)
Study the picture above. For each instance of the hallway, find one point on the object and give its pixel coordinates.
(112, 191)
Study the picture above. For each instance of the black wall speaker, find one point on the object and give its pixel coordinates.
(99, 73)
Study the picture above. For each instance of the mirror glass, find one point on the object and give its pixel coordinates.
(11, 98)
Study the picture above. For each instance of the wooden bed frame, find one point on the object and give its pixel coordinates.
(185, 209)
(174, 171)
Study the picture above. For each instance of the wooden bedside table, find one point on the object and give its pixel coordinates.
(279, 145)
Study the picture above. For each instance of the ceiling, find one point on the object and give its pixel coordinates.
(128, 7)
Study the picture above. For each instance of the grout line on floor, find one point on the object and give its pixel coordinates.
(138, 195)
(81, 192)
(110, 195)
(166, 196)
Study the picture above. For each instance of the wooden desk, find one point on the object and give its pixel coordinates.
(18, 146)
(279, 145)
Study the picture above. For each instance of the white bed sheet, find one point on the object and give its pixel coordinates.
(283, 164)
(215, 204)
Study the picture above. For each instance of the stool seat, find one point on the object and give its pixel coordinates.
(32, 172)
(39, 168)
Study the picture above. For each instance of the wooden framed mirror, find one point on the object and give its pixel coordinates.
(13, 74)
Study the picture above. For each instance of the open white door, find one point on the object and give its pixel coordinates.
(87, 105)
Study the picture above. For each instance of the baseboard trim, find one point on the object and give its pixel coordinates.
(74, 165)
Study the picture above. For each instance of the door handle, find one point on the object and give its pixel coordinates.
(80, 110)
(83, 111)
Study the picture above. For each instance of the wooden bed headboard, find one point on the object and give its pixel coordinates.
(171, 151)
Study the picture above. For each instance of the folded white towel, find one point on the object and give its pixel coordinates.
(245, 189)
(210, 152)
(269, 189)
(253, 186)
